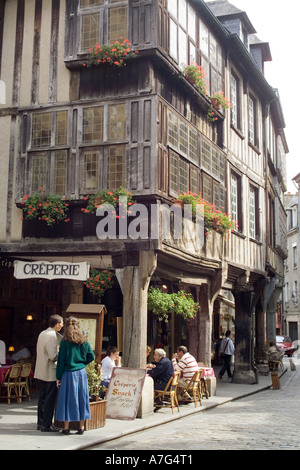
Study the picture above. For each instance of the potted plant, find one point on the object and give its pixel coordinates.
(163, 304)
(116, 54)
(99, 281)
(49, 208)
(195, 75)
(97, 405)
(219, 100)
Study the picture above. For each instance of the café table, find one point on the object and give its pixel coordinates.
(207, 372)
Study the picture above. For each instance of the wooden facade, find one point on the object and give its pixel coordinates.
(152, 127)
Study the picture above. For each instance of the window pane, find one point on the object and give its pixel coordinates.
(117, 23)
(61, 128)
(173, 39)
(252, 212)
(172, 7)
(173, 173)
(251, 120)
(91, 170)
(234, 197)
(90, 31)
(194, 182)
(117, 122)
(173, 129)
(183, 176)
(39, 172)
(116, 166)
(205, 155)
(192, 23)
(93, 125)
(207, 188)
(182, 13)
(60, 172)
(182, 49)
(41, 130)
(203, 38)
(183, 138)
(90, 3)
(233, 98)
(193, 145)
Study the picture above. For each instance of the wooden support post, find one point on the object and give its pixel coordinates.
(275, 381)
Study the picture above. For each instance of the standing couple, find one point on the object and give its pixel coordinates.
(72, 352)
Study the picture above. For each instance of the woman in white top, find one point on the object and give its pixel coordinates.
(111, 360)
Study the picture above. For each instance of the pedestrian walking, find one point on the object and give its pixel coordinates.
(75, 353)
(226, 351)
(45, 372)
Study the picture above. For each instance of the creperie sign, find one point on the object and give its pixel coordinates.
(54, 270)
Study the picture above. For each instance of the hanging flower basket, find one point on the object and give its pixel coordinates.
(99, 281)
(163, 304)
(48, 208)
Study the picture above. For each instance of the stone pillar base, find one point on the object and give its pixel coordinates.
(244, 377)
(211, 384)
(147, 399)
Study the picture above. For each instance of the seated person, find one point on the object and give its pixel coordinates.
(162, 369)
(272, 348)
(187, 364)
(111, 360)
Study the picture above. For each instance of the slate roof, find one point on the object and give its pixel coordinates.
(222, 9)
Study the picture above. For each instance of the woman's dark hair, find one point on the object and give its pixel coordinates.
(72, 332)
(111, 350)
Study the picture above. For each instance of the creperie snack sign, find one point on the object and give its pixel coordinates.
(54, 270)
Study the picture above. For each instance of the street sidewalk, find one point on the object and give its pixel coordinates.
(18, 421)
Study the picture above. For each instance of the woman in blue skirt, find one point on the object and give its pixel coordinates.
(75, 353)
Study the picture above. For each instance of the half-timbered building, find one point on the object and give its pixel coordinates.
(73, 130)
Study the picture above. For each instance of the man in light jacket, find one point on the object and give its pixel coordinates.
(45, 372)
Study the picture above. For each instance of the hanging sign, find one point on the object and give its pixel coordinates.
(48, 270)
(124, 393)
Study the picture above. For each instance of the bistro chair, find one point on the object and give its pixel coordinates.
(23, 381)
(10, 382)
(194, 387)
(168, 396)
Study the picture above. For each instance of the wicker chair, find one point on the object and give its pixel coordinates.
(168, 396)
(23, 381)
(194, 387)
(10, 383)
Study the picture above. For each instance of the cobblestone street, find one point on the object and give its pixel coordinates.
(268, 420)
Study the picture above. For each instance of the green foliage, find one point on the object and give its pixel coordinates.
(94, 376)
(164, 304)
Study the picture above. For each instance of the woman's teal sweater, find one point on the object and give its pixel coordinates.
(72, 357)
